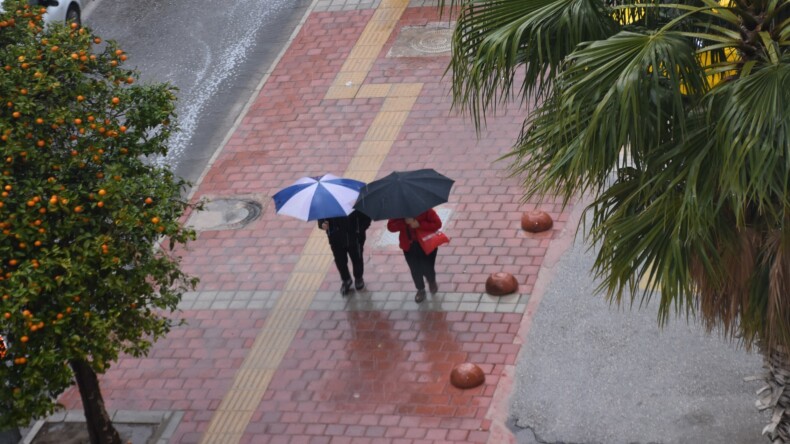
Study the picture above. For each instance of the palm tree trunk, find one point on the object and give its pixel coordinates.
(776, 394)
(100, 428)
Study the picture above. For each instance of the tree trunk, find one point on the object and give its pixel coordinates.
(100, 428)
(776, 394)
(10, 436)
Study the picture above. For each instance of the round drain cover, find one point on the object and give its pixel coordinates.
(225, 214)
(433, 41)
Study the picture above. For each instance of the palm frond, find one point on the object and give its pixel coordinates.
(752, 128)
(495, 37)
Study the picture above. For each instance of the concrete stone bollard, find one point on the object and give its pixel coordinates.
(467, 375)
(536, 221)
(500, 284)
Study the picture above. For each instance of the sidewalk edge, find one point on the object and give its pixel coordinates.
(253, 97)
(499, 410)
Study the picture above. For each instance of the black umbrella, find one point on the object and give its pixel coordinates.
(403, 194)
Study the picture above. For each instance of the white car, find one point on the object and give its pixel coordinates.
(64, 11)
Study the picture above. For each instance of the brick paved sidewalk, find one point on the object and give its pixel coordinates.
(271, 352)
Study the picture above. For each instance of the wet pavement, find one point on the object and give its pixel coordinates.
(271, 352)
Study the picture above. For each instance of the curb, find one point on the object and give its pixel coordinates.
(499, 411)
(253, 97)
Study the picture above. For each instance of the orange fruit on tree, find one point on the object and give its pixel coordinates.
(24, 339)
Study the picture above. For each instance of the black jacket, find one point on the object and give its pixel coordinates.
(348, 230)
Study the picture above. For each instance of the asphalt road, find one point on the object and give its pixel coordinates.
(215, 52)
(592, 373)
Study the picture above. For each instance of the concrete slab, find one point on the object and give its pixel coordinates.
(591, 373)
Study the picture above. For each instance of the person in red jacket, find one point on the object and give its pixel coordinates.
(420, 264)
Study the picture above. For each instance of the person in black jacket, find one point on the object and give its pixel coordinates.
(347, 239)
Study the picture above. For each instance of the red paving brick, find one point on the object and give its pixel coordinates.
(348, 377)
(383, 375)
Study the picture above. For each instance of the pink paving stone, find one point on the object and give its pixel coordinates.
(374, 350)
(395, 361)
(148, 393)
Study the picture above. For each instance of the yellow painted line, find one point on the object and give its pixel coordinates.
(373, 147)
(398, 103)
(341, 92)
(374, 90)
(367, 48)
(364, 51)
(410, 90)
(273, 340)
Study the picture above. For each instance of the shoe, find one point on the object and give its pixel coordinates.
(346, 287)
(359, 284)
(433, 286)
(420, 296)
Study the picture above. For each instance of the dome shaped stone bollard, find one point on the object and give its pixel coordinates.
(500, 284)
(536, 221)
(467, 375)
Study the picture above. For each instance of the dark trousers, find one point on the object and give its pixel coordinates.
(421, 265)
(342, 252)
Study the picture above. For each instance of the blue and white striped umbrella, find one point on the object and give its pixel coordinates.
(312, 198)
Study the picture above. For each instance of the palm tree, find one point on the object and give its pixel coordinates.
(673, 118)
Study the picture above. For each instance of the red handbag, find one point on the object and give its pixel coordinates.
(430, 240)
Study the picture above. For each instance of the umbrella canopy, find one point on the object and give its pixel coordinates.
(312, 198)
(403, 194)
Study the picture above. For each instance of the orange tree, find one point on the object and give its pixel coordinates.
(83, 274)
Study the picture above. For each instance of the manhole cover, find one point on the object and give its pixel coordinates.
(225, 214)
(433, 41)
(422, 41)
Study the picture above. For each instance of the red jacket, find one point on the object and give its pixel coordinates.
(429, 221)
